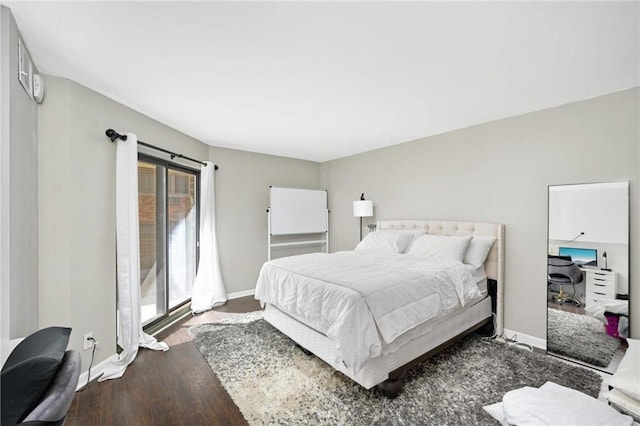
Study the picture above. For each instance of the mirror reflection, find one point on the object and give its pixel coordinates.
(588, 273)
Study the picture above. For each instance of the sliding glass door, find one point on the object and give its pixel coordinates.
(183, 236)
(168, 217)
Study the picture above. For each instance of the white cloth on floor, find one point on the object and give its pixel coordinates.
(552, 404)
(497, 412)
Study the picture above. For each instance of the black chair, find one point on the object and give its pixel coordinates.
(562, 272)
(39, 379)
(555, 256)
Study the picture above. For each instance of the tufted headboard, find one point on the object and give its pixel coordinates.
(494, 265)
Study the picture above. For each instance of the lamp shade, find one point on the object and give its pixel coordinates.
(363, 208)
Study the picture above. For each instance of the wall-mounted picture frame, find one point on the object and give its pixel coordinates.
(25, 68)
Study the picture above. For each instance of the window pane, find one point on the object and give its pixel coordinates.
(151, 206)
(182, 236)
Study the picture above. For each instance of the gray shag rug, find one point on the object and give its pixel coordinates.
(274, 382)
(580, 337)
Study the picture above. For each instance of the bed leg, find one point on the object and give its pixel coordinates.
(390, 388)
(304, 351)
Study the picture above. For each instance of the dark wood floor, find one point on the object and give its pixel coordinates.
(164, 388)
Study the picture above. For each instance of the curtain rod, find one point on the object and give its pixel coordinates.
(113, 135)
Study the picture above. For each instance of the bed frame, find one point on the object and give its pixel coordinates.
(385, 371)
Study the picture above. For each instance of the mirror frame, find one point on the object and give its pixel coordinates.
(611, 368)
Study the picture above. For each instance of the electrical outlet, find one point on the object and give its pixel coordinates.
(88, 341)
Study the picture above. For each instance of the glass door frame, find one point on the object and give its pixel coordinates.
(182, 168)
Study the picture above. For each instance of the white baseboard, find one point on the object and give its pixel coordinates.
(96, 371)
(525, 338)
(239, 294)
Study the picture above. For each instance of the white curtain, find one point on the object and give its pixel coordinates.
(208, 289)
(130, 334)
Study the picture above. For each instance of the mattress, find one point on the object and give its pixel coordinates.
(483, 286)
(430, 325)
(426, 327)
(376, 370)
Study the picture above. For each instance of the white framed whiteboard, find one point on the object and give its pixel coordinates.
(297, 211)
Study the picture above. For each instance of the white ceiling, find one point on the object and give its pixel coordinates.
(320, 81)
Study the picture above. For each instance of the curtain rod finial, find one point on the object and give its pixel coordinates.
(113, 135)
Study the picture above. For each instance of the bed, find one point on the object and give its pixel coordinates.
(371, 316)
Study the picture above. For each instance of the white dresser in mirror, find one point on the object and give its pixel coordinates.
(600, 285)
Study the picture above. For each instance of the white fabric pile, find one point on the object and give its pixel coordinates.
(621, 307)
(552, 404)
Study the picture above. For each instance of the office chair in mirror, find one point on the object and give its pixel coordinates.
(588, 273)
(563, 271)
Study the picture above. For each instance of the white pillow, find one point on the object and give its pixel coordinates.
(478, 250)
(415, 235)
(627, 378)
(388, 241)
(440, 247)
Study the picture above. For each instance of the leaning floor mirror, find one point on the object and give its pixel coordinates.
(588, 273)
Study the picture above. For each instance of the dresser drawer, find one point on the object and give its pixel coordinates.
(593, 298)
(602, 294)
(602, 280)
(601, 287)
(601, 276)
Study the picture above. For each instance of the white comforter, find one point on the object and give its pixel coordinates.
(362, 300)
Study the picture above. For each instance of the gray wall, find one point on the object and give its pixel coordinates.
(77, 206)
(20, 117)
(4, 185)
(242, 198)
(499, 172)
